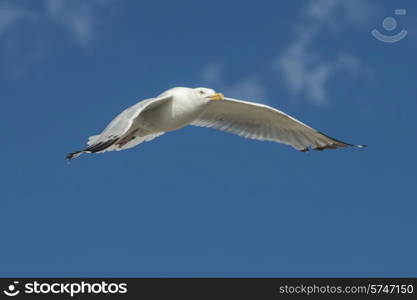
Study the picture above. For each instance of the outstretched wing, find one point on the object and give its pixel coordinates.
(262, 122)
(120, 126)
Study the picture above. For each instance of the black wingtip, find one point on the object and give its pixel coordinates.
(100, 146)
(360, 146)
(92, 149)
(73, 155)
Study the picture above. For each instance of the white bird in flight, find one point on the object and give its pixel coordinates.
(181, 106)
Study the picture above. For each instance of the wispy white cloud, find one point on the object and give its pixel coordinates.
(303, 68)
(247, 88)
(339, 12)
(80, 18)
(12, 15)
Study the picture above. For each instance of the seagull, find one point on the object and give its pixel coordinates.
(204, 107)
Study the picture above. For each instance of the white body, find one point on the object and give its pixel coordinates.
(179, 111)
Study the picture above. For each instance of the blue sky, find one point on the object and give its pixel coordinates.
(199, 202)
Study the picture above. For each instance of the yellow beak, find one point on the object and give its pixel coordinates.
(217, 96)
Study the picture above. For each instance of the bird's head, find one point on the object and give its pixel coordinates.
(198, 94)
(207, 94)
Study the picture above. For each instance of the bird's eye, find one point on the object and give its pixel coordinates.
(201, 92)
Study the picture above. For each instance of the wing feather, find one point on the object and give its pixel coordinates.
(121, 126)
(123, 122)
(262, 122)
